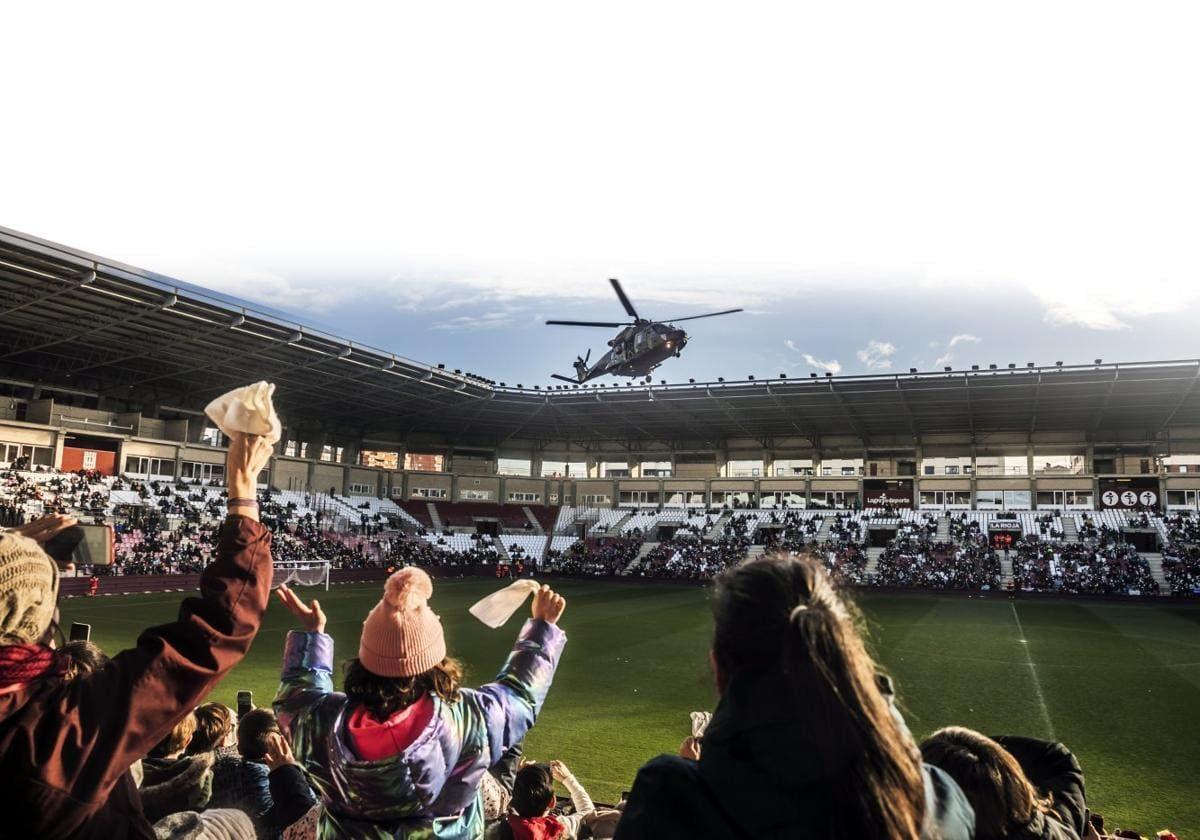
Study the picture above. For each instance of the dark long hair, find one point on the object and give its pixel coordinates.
(1004, 799)
(384, 696)
(781, 613)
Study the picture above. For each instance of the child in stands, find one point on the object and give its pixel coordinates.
(404, 749)
(533, 798)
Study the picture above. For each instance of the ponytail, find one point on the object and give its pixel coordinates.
(781, 614)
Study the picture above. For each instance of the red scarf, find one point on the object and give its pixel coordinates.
(535, 828)
(25, 663)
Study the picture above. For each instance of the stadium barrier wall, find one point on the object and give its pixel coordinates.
(73, 587)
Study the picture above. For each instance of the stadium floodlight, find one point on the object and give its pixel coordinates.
(812, 376)
(344, 353)
(295, 337)
(751, 377)
(389, 364)
(948, 369)
(86, 278)
(783, 376)
(1011, 366)
(1099, 361)
(974, 367)
(912, 370)
(237, 320)
(441, 366)
(991, 367)
(1058, 364)
(169, 301)
(1030, 364)
(829, 374)
(691, 380)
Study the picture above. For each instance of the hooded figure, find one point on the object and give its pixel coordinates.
(402, 753)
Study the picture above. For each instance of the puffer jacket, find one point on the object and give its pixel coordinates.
(759, 779)
(431, 788)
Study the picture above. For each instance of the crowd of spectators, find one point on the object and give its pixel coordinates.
(688, 558)
(913, 560)
(598, 559)
(1107, 566)
(130, 747)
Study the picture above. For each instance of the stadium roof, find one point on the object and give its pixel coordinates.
(73, 320)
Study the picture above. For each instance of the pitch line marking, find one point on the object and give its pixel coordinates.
(1037, 683)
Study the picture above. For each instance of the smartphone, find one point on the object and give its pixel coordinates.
(80, 632)
(83, 545)
(245, 703)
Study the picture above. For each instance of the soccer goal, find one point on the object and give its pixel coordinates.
(301, 573)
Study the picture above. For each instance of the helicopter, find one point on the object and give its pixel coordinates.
(640, 346)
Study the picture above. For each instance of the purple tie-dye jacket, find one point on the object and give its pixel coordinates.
(431, 789)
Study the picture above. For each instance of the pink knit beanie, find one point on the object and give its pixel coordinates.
(401, 636)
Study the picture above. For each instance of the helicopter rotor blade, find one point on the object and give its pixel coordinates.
(588, 323)
(707, 315)
(616, 284)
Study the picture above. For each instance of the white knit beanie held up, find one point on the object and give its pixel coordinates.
(28, 590)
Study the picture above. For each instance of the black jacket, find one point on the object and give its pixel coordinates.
(1053, 770)
(758, 779)
(274, 799)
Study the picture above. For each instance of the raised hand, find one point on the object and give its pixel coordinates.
(45, 528)
(279, 751)
(559, 770)
(311, 616)
(247, 456)
(548, 605)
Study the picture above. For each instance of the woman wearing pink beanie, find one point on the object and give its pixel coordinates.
(402, 753)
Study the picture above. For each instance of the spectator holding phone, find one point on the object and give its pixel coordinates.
(66, 747)
(402, 753)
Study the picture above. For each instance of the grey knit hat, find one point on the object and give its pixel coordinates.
(217, 824)
(28, 590)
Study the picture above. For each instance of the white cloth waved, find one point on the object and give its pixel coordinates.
(248, 410)
(495, 609)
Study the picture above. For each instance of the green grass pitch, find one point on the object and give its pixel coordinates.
(1118, 683)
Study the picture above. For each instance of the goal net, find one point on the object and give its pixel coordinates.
(301, 573)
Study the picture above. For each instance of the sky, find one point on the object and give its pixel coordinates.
(880, 186)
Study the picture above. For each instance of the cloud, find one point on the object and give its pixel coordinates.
(877, 355)
(833, 366)
(486, 321)
(947, 357)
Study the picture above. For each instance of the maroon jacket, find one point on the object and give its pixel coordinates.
(65, 750)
